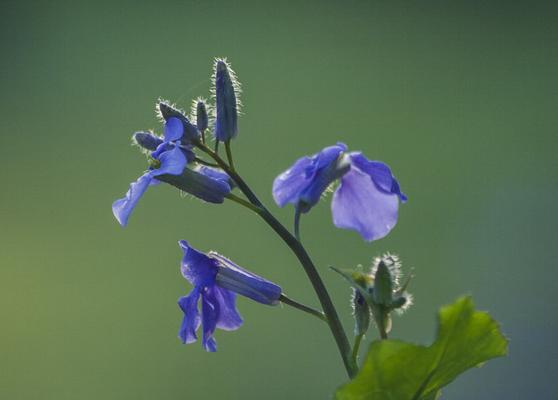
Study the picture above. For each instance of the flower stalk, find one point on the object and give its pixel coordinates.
(295, 304)
(356, 347)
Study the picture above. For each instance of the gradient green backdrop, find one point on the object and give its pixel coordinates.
(458, 97)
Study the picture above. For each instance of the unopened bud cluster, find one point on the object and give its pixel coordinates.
(377, 293)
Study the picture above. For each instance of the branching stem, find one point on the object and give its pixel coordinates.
(297, 223)
(229, 154)
(331, 315)
(203, 162)
(243, 202)
(290, 302)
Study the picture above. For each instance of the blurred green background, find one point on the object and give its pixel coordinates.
(459, 98)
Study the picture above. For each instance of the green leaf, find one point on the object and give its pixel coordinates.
(395, 370)
(433, 396)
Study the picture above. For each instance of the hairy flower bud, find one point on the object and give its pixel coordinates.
(201, 115)
(147, 140)
(383, 286)
(167, 112)
(361, 312)
(398, 302)
(226, 102)
(377, 293)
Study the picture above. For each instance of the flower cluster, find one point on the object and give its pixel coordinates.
(366, 200)
(173, 161)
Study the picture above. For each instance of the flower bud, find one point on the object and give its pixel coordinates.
(147, 140)
(383, 286)
(398, 302)
(378, 293)
(402, 302)
(361, 312)
(201, 116)
(226, 104)
(167, 111)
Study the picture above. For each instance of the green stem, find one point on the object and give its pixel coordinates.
(356, 347)
(203, 136)
(325, 300)
(243, 202)
(297, 223)
(203, 162)
(229, 154)
(290, 302)
(383, 334)
(381, 316)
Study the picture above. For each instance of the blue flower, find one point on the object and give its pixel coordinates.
(216, 282)
(226, 102)
(170, 158)
(366, 200)
(172, 162)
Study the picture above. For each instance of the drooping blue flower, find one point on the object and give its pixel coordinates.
(226, 101)
(170, 158)
(216, 282)
(366, 200)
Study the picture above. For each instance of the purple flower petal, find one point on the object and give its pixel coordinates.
(173, 129)
(229, 319)
(308, 177)
(122, 208)
(210, 313)
(161, 149)
(196, 267)
(359, 204)
(172, 161)
(328, 155)
(288, 185)
(218, 309)
(380, 173)
(191, 320)
(329, 166)
(397, 190)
